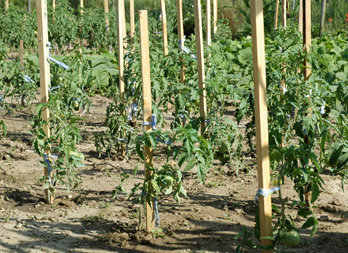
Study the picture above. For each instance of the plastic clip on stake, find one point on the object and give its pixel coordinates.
(266, 192)
(322, 108)
(157, 218)
(186, 49)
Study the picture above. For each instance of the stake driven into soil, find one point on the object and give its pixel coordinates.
(164, 27)
(215, 10)
(181, 36)
(200, 63)
(106, 9)
(300, 17)
(208, 19)
(284, 13)
(132, 20)
(276, 15)
(145, 72)
(120, 43)
(42, 27)
(261, 121)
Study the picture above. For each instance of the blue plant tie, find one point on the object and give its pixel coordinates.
(133, 111)
(53, 88)
(186, 49)
(49, 166)
(285, 90)
(153, 122)
(64, 66)
(28, 79)
(266, 192)
(157, 218)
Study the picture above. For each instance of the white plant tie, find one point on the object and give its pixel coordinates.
(266, 192)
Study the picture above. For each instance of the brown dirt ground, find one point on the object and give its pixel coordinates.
(207, 221)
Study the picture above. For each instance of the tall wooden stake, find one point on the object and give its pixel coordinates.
(145, 72)
(6, 5)
(42, 27)
(164, 27)
(307, 34)
(29, 6)
(215, 15)
(200, 62)
(120, 43)
(132, 20)
(284, 5)
(21, 53)
(53, 9)
(259, 66)
(81, 6)
(181, 35)
(300, 17)
(276, 15)
(208, 19)
(322, 17)
(106, 10)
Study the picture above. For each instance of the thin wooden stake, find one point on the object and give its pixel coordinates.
(29, 6)
(120, 43)
(21, 53)
(42, 27)
(53, 10)
(145, 72)
(322, 17)
(284, 13)
(259, 66)
(132, 20)
(6, 5)
(164, 27)
(81, 6)
(276, 15)
(200, 63)
(208, 20)
(181, 35)
(300, 17)
(106, 10)
(307, 34)
(215, 14)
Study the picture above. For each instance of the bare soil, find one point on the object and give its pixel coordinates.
(88, 221)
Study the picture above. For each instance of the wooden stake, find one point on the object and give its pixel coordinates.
(200, 63)
(215, 14)
(120, 43)
(53, 10)
(276, 15)
(259, 66)
(145, 72)
(6, 5)
(164, 27)
(284, 13)
(81, 6)
(106, 9)
(208, 20)
(300, 17)
(29, 6)
(322, 17)
(181, 35)
(21, 53)
(42, 27)
(132, 20)
(307, 34)
(124, 23)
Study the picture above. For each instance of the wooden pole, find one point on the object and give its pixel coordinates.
(276, 15)
(42, 27)
(29, 6)
(124, 23)
(284, 13)
(164, 27)
(208, 19)
(132, 20)
(106, 9)
(6, 5)
(200, 63)
(181, 35)
(215, 15)
(145, 72)
(120, 43)
(259, 66)
(300, 17)
(81, 6)
(322, 17)
(21, 53)
(53, 9)
(307, 34)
